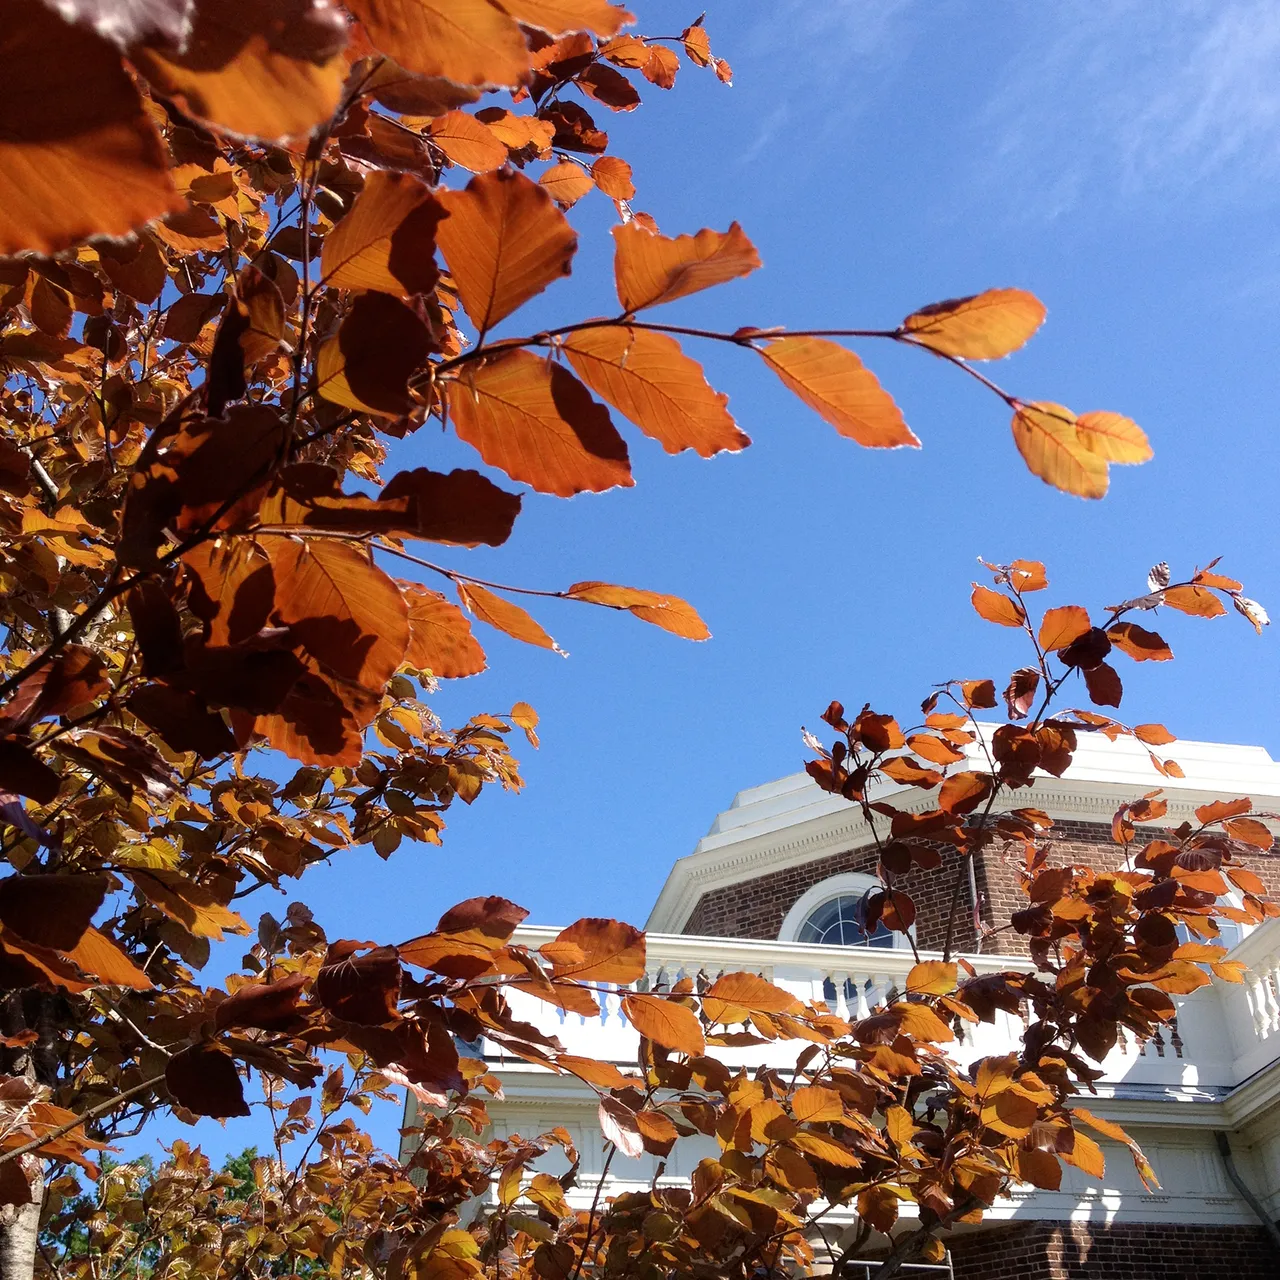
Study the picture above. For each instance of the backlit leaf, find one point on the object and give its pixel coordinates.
(733, 996)
(557, 17)
(832, 380)
(609, 951)
(440, 638)
(468, 142)
(650, 269)
(204, 1079)
(612, 175)
(193, 906)
(1046, 437)
(1062, 625)
(567, 182)
(964, 792)
(672, 1025)
(1086, 1155)
(387, 241)
(1200, 602)
(505, 616)
(1141, 645)
(538, 424)
(504, 241)
(259, 68)
(1113, 437)
(472, 42)
(649, 379)
(932, 978)
(668, 612)
(997, 607)
(459, 507)
(367, 366)
(79, 155)
(341, 608)
(985, 326)
(618, 1124)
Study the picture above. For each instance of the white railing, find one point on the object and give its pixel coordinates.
(1222, 1033)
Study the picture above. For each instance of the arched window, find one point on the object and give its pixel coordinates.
(830, 913)
(839, 922)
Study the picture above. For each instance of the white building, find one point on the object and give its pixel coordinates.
(772, 888)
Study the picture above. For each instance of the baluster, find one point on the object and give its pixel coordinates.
(1175, 1038)
(860, 985)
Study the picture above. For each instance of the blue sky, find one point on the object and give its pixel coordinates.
(1119, 160)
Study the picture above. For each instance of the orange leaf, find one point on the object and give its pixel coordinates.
(964, 792)
(612, 175)
(567, 182)
(651, 269)
(468, 142)
(367, 366)
(1154, 735)
(1250, 831)
(932, 978)
(387, 241)
(1141, 645)
(1229, 970)
(100, 956)
(538, 423)
(558, 17)
(934, 749)
(343, 610)
(259, 68)
(905, 770)
(192, 905)
(668, 612)
(471, 42)
(1086, 1155)
(733, 996)
(826, 1150)
(816, 1104)
(1200, 602)
(672, 1025)
(504, 615)
(610, 952)
(440, 638)
(985, 326)
(79, 155)
(1113, 437)
(832, 380)
(1217, 810)
(504, 241)
(1046, 437)
(649, 379)
(1062, 625)
(996, 607)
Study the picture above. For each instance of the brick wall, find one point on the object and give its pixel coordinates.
(1120, 1251)
(755, 908)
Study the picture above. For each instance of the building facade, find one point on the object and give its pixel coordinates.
(775, 888)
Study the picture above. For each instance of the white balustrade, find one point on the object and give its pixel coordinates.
(1222, 1033)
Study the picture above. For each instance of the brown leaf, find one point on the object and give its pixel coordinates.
(1062, 625)
(258, 68)
(75, 678)
(650, 269)
(832, 380)
(440, 638)
(268, 1006)
(1139, 644)
(461, 508)
(985, 326)
(471, 42)
(388, 240)
(468, 142)
(1020, 696)
(1104, 685)
(648, 378)
(360, 985)
(193, 906)
(672, 1025)
(367, 366)
(102, 958)
(504, 241)
(964, 792)
(204, 1079)
(612, 175)
(342, 609)
(505, 616)
(668, 612)
(558, 17)
(566, 182)
(1200, 602)
(539, 424)
(995, 606)
(79, 156)
(51, 910)
(610, 951)
(23, 773)
(1050, 446)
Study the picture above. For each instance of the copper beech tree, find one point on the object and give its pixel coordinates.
(251, 249)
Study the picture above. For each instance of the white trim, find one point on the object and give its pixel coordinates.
(791, 822)
(847, 883)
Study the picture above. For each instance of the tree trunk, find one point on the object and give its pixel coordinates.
(19, 1232)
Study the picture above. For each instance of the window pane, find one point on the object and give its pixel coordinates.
(838, 922)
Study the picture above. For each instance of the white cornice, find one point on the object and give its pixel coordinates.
(791, 822)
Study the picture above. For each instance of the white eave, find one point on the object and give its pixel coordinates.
(792, 821)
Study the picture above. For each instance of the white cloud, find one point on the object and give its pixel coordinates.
(1127, 99)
